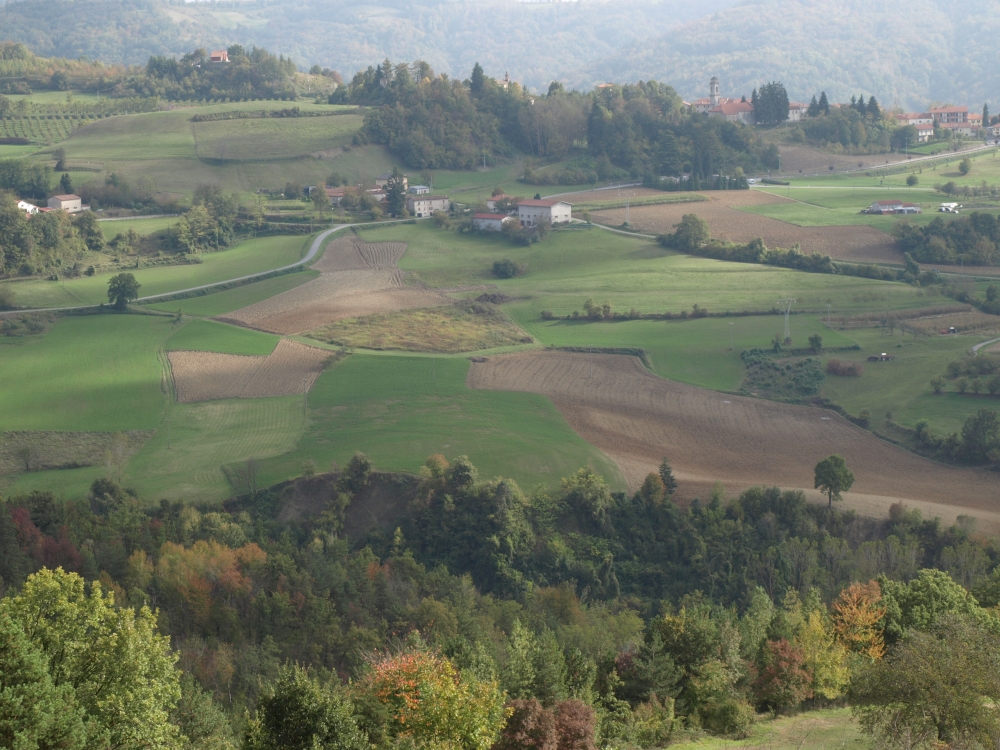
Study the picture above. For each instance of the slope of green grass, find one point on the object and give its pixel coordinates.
(828, 729)
(209, 336)
(220, 303)
(143, 226)
(400, 410)
(902, 386)
(252, 256)
(690, 351)
(98, 372)
(570, 266)
(271, 139)
(841, 206)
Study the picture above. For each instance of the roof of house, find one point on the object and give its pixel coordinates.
(732, 108)
(497, 217)
(797, 105)
(428, 198)
(69, 197)
(949, 109)
(887, 203)
(541, 203)
(954, 125)
(924, 126)
(337, 192)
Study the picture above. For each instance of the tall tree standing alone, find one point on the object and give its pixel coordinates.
(477, 80)
(667, 475)
(833, 477)
(122, 289)
(395, 192)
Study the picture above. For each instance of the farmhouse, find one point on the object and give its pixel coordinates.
(419, 190)
(28, 208)
(797, 111)
(925, 131)
(494, 202)
(943, 115)
(533, 212)
(68, 203)
(490, 222)
(915, 118)
(958, 128)
(425, 205)
(219, 56)
(893, 207)
(336, 195)
(383, 179)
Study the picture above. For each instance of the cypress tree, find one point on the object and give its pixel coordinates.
(813, 110)
(824, 103)
(874, 110)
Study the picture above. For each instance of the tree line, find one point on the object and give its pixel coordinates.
(433, 121)
(486, 617)
(973, 239)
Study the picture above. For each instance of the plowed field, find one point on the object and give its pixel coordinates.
(290, 369)
(356, 278)
(849, 243)
(637, 418)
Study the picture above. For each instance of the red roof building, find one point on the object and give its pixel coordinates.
(219, 56)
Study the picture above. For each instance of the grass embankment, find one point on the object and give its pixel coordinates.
(209, 336)
(643, 200)
(253, 256)
(399, 410)
(220, 303)
(273, 138)
(465, 327)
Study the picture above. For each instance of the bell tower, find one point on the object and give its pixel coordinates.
(713, 91)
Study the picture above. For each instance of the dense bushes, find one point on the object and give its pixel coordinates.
(507, 269)
(844, 368)
(976, 237)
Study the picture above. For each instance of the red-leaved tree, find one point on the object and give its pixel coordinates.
(783, 681)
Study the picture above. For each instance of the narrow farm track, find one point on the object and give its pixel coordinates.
(637, 418)
(356, 278)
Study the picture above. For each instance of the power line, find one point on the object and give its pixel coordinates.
(786, 307)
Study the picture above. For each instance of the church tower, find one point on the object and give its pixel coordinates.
(713, 91)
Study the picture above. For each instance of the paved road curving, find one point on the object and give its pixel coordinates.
(313, 250)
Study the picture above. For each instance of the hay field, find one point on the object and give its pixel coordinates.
(637, 418)
(462, 327)
(290, 369)
(857, 244)
(27, 450)
(356, 278)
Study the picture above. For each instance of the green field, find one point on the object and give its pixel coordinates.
(220, 303)
(400, 410)
(571, 266)
(114, 227)
(209, 336)
(253, 256)
(827, 729)
(270, 139)
(97, 372)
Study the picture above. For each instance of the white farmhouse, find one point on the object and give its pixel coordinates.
(28, 208)
(69, 203)
(533, 212)
(421, 206)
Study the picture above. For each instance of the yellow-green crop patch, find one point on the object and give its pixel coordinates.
(464, 327)
(210, 336)
(114, 227)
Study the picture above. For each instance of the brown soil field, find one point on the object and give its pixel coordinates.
(60, 450)
(356, 278)
(635, 417)
(856, 244)
(290, 369)
(965, 322)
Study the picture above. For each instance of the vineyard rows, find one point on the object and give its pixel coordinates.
(40, 129)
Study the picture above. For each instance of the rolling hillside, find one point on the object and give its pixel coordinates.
(932, 50)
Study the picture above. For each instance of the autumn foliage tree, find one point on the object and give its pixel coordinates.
(784, 681)
(418, 696)
(857, 615)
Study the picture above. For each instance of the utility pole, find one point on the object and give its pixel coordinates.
(786, 307)
(730, 336)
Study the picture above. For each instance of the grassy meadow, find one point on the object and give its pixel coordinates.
(272, 139)
(253, 256)
(220, 303)
(826, 729)
(95, 372)
(209, 336)
(399, 410)
(113, 227)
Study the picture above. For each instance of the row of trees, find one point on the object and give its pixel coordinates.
(973, 240)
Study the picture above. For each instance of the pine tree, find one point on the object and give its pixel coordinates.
(65, 183)
(813, 110)
(824, 103)
(477, 80)
(861, 106)
(874, 110)
(667, 475)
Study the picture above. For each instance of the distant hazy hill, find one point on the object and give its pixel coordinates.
(536, 43)
(910, 52)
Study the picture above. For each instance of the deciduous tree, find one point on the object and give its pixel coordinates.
(122, 289)
(833, 477)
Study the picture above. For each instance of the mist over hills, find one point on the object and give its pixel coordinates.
(907, 54)
(535, 42)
